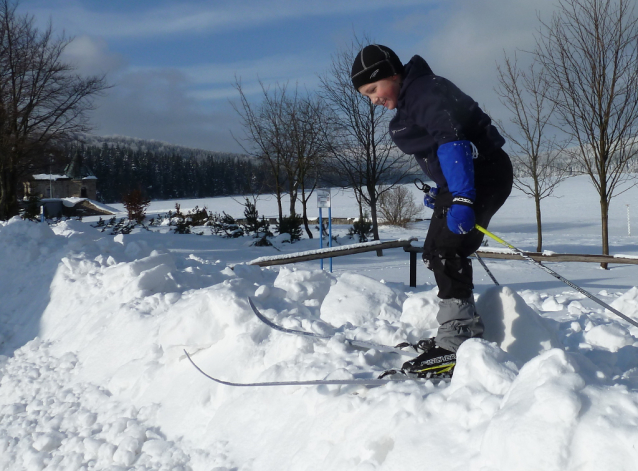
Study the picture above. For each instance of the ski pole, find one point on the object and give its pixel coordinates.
(478, 257)
(556, 275)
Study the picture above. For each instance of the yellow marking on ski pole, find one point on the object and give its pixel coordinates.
(495, 237)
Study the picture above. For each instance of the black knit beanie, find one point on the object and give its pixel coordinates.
(374, 62)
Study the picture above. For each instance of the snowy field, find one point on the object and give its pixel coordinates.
(93, 327)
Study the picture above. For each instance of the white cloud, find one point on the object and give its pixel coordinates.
(467, 39)
(92, 56)
(272, 68)
(205, 16)
(155, 104)
(216, 81)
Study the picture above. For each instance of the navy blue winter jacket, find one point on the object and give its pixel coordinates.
(431, 112)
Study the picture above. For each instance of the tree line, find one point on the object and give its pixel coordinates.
(168, 175)
(162, 171)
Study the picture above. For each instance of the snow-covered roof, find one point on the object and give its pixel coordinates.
(47, 176)
(72, 201)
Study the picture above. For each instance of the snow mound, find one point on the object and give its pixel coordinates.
(420, 311)
(535, 424)
(94, 326)
(48, 420)
(24, 241)
(513, 325)
(628, 305)
(357, 299)
(483, 363)
(610, 337)
(304, 285)
(70, 227)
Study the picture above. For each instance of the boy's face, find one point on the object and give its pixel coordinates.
(384, 92)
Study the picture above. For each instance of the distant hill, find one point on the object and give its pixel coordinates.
(156, 147)
(164, 171)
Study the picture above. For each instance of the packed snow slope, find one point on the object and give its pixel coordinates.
(93, 374)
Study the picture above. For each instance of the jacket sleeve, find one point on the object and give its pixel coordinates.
(441, 110)
(457, 163)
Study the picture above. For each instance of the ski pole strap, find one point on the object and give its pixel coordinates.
(556, 275)
(424, 187)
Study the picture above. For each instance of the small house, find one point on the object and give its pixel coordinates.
(71, 194)
(77, 181)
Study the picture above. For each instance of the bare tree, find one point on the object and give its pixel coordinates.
(537, 155)
(286, 131)
(397, 206)
(263, 134)
(589, 51)
(362, 151)
(42, 101)
(305, 118)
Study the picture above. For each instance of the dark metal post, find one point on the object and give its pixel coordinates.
(330, 231)
(320, 235)
(412, 269)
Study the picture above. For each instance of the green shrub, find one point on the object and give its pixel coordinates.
(254, 225)
(291, 225)
(362, 228)
(32, 209)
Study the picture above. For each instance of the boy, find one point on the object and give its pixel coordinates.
(459, 149)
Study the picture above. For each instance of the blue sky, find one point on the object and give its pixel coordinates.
(173, 63)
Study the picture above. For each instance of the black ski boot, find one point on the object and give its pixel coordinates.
(434, 362)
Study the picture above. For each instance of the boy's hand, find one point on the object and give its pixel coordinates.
(460, 218)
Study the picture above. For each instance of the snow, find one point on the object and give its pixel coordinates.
(625, 256)
(93, 328)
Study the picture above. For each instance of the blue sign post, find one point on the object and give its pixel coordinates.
(323, 201)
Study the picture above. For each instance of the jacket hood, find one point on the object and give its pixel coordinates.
(417, 67)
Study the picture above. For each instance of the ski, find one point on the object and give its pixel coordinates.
(319, 382)
(355, 343)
